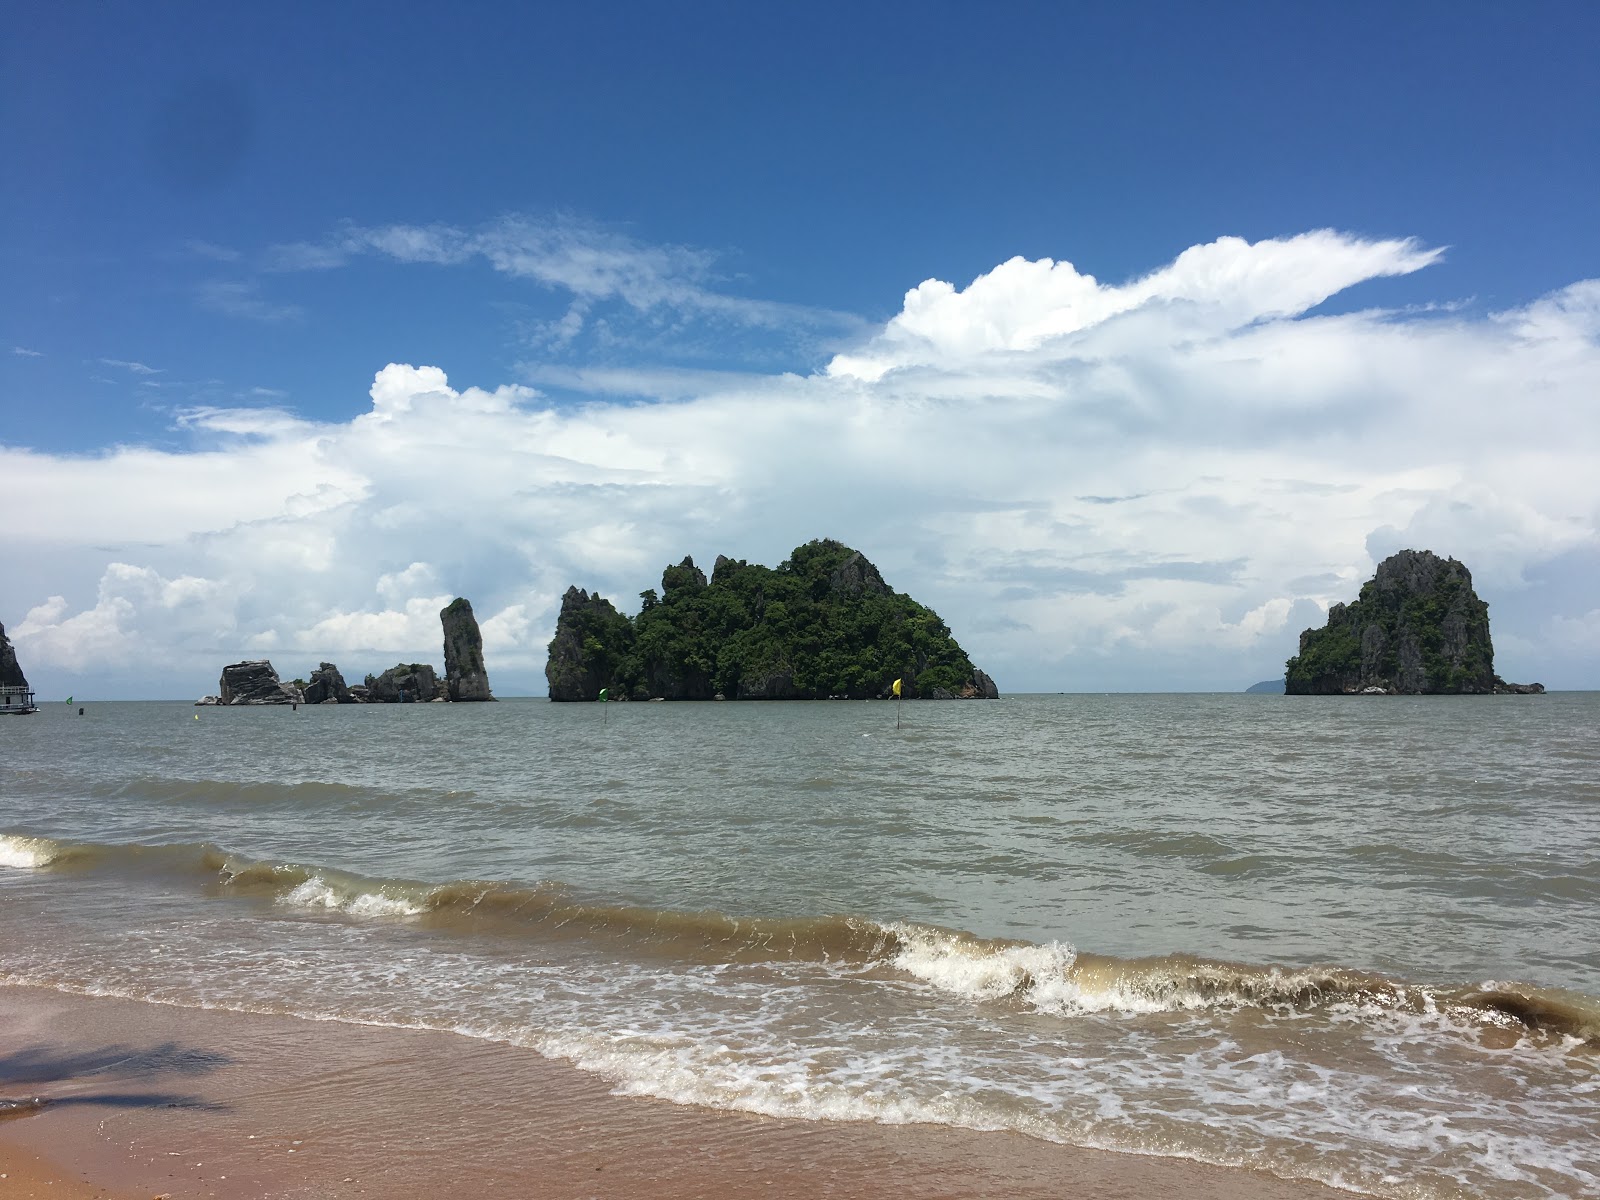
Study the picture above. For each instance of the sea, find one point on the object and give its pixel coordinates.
(1348, 940)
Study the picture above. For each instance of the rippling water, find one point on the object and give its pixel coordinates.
(1348, 940)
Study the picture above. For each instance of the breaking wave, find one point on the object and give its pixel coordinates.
(1052, 978)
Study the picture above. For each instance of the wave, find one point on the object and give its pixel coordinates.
(1050, 978)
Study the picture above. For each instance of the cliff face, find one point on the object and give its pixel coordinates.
(405, 683)
(326, 685)
(821, 625)
(464, 672)
(10, 672)
(254, 682)
(1418, 628)
(591, 637)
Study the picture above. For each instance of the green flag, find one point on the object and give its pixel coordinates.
(69, 699)
(605, 693)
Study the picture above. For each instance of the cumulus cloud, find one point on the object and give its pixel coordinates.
(1153, 483)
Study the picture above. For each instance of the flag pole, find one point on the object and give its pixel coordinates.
(899, 699)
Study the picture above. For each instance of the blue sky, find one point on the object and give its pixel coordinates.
(680, 232)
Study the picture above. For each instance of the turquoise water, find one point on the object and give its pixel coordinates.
(1356, 940)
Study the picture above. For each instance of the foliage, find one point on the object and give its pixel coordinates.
(1444, 625)
(820, 624)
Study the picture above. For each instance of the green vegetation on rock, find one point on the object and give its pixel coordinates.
(1417, 628)
(822, 624)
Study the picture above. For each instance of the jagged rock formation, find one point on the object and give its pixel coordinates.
(591, 637)
(10, 670)
(1418, 628)
(405, 683)
(821, 625)
(466, 678)
(254, 682)
(327, 686)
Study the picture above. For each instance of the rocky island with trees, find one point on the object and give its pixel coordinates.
(1417, 629)
(821, 625)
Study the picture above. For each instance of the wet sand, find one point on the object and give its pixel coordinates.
(148, 1099)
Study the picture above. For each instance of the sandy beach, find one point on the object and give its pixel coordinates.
(147, 1100)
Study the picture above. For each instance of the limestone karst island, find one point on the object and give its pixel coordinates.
(465, 677)
(822, 625)
(1417, 629)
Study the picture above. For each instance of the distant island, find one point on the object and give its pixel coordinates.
(1416, 629)
(1267, 687)
(821, 625)
(255, 682)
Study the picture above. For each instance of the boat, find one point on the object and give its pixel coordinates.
(17, 699)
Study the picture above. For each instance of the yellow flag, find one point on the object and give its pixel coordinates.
(896, 687)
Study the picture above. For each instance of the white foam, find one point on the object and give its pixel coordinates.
(1039, 975)
(317, 892)
(26, 853)
(978, 972)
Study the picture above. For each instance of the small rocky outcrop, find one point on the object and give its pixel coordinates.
(255, 682)
(1418, 628)
(10, 671)
(981, 687)
(591, 638)
(327, 686)
(856, 576)
(1502, 688)
(466, 678)
(405, 683)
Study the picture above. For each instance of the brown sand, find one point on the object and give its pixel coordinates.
(148, 1100)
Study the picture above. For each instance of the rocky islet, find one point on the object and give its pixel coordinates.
(465, 680)
(1417, 628)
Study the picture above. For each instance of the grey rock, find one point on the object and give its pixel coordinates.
(255, 682)
(404, 683)
(1502, 688)
(591, 636)
(360, 693)
(1417, 628)
(856, 576)
(205, 701)
(327, 685)
(10, 671)
(466, 677)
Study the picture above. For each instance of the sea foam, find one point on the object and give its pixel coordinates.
(27, 853)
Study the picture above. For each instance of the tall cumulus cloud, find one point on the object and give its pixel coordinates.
(1153, 483)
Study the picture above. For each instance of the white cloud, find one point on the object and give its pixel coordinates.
(134, 368)
(24, 352)
(1094, 484)
(1031, 308)
(591, 262)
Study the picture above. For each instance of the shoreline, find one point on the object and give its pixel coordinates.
(148, 1099)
